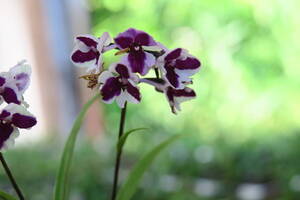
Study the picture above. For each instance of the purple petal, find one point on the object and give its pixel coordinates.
(81, 57)
(122, 70)
(188, 63)
(2, 81)
(110, 89)
(137, 61)
(4, 114)
(22, 81)
(144, 39)
(123, 42)
(130, 36)
(170, 94)
(173, 54)
(10, 96)
(186, 92)
(90, 42)
(6, 130)
(23, 121)
(172, 76)
(133, 91)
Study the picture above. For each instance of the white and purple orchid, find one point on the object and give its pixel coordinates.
(88, 51)
(119, 83)
(13, 117)
(136, 43)
(173, 68)
(177, 66)
(14, 83)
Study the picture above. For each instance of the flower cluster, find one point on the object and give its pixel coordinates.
(14, 115)
(141, 53)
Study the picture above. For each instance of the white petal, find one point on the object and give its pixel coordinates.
(149, 62)
(15, 108)
(152, 48)
(121, 99)
(130, 98)
(21, 82)
(104, 76)
(105, 40)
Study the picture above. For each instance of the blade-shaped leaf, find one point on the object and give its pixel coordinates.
(130, 185)
(6, 196)
(125, 136)
(60, 190)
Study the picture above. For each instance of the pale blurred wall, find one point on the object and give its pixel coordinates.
(15, 45)
(42, 32)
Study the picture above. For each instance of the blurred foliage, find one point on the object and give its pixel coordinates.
(243, 128)
(176, 175)
(248, 88)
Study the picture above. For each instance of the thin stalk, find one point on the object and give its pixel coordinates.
(156, 72)
(11, 178)
(119, 154)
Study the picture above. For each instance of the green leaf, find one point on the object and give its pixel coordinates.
(60, 190)
(123, 138)
(6, 196)
(130, 185)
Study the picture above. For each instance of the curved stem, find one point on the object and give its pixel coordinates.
(119, 153)
(11, 178)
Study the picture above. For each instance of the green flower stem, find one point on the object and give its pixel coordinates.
(119, 153)
(11, 178)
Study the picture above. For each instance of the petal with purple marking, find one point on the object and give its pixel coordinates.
(123, 42)
(134, 92)
(180, 96)
(4, 114)
(21, 76)
(110, 89)
(171, 76)
(173, 54)
(144, 39)
(10, 95)
(6, 130)
(88, 40)
(23, 121)
(2, 81)
(137, 61)
(122, 70)
(188, 64)
(83, 57)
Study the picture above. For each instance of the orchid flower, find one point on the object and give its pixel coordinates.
(136, 43)
(119, 83)
(177, 66)
(174, 96)
(88, 51)
(14, 83)
(13, 117)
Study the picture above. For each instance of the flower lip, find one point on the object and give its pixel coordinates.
(119, 83)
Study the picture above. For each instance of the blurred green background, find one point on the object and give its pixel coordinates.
(243, 130)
